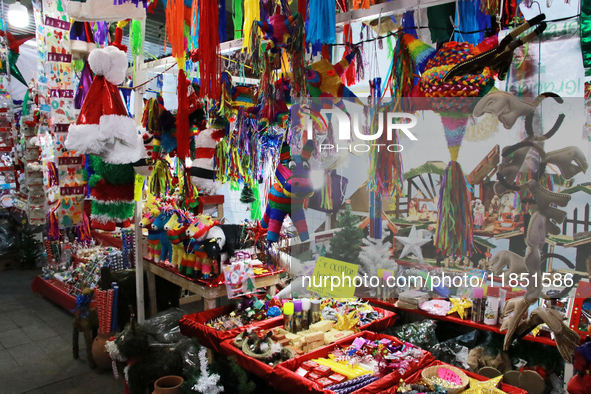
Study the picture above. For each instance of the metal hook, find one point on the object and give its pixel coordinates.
(539, 7)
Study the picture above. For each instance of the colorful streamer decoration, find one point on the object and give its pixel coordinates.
(209, 46)
(454, 223)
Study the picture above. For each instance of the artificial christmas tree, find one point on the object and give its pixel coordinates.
(247, 195)
(375, 255)
(345, 244)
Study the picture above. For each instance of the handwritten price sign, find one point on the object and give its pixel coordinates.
(72, 190)
(59, 57)
(61, 127)
(70, 161)
(57, 23)
(61, 93)
(449, 376)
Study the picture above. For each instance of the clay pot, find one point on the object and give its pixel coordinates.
(168, 385)
(100, 355)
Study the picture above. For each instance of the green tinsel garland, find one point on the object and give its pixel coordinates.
(94, 179)
(113, 174)
(136, 38)
(116, 210)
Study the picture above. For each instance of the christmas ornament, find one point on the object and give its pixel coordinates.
(459, 305)
(412, 244)
(485, 387)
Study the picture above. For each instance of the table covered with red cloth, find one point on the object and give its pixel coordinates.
(106, 239)
(56, 291)
(194, 326)
(285, 378)
(417, 376)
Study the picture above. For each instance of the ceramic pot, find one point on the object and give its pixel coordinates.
(168, 385)
(99, 354)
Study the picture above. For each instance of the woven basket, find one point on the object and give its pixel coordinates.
(431, 372)
(239, 340)
(263, 356)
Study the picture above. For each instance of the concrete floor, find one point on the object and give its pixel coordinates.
(36, 345)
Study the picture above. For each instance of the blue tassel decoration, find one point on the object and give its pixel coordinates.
(321, 26)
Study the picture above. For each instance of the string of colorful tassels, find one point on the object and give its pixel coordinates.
(160, 179)
(83, 230)
(209, 47)
(53, 229)
(53, 174)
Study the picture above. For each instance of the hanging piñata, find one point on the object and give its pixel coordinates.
(292, 187)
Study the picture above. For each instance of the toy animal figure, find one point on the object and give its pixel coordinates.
(86, 322)
(175, 228)
(292, 187)
(192, 262)
(145, 363)
(154, 245)
(158, 225)
(221, 241)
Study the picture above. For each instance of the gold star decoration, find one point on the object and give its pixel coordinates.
(347, 322)
(485, 387)
(536, 331)
(459, 305)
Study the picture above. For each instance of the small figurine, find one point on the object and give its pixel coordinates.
(482, 264)
(458, 262)
(467, 262)
(478, 213)
(495, 207)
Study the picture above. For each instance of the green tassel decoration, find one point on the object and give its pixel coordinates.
(238, 16)
(256, 212)
(136, 38)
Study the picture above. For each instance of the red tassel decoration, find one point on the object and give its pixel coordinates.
(349, 76)
(209, 45)
(183, 129)
(303, 8)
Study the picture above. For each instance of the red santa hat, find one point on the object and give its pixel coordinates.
(104, 127)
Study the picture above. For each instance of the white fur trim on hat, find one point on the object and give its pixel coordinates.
(104, 10)
(115, 139)
(109, 62)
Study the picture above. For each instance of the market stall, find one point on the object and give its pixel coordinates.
(351, 196)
